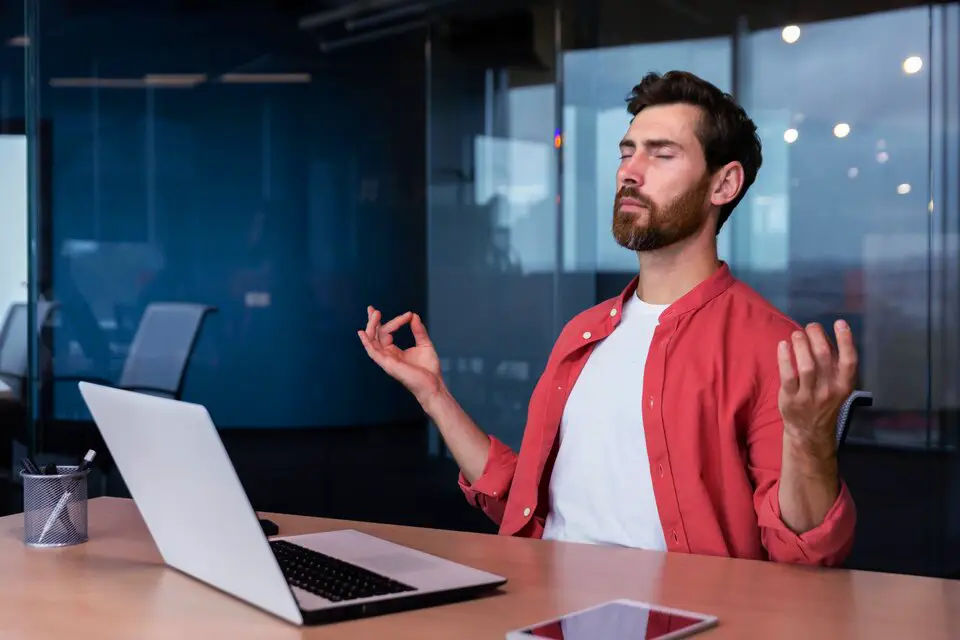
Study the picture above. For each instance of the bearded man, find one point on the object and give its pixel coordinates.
(685, 415)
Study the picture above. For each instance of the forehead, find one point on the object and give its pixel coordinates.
(676, 122)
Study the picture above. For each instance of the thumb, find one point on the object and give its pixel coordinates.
(420, 336)
(393, 366)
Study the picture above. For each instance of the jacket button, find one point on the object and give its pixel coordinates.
(586, 335)
(613, 312)
(526, 512)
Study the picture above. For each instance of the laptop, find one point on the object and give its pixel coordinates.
(187, 490)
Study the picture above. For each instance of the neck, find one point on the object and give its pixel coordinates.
(669, 273)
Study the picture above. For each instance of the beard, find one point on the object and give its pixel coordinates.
(678, 220)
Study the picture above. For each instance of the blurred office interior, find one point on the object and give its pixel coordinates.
(202, 196)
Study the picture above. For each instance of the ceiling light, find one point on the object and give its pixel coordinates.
(882, 157)
(853, 172)
(903, 189)
(912, 65)
(99, 83)
(841, 130)
(265, 78)
(175, 80)
(790, 136)
(790, 34)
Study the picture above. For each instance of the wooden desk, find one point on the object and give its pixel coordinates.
(115, 586)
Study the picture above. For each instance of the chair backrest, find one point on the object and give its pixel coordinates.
(855, 400)
(15, 337)
(162, 346)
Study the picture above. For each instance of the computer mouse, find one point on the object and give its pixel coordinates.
(269, 527)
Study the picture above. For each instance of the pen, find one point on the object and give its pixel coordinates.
(58, 509)
(29, 467)
(85, 463)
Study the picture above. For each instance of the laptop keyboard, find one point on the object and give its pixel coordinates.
(331, 578)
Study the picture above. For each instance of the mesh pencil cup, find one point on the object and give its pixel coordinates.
(55, 507)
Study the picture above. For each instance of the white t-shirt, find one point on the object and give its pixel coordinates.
(601, 490)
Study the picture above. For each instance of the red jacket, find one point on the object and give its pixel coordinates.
(714, 431)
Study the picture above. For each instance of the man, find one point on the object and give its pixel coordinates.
(687, 414)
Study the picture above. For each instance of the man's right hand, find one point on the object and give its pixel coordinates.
(416, 368)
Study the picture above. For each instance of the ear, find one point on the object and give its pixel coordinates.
(727, 183)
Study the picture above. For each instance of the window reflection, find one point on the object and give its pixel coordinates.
(855, 118)
(853, 187)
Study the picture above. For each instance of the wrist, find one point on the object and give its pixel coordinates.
(437, 401)
(809, 456)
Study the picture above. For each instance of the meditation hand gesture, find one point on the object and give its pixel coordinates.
(416, 368)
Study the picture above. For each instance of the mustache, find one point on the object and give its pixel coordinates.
(633, 194)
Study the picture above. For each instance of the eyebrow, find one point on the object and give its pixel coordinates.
(651, 144)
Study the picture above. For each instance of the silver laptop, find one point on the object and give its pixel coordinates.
(178, 473)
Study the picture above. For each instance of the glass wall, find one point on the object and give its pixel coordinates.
(854, 211)
(14, 246)
(209, 223)
(496, 299)
(859, 206)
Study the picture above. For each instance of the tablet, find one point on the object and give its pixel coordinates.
(619, 620)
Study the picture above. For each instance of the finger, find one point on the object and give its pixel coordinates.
(420, 336)
(384, 358)
(789, 381)
(373, 323)
(847, 355)
(387, 330)
(371, 348)
(822, 352)
(806, 366)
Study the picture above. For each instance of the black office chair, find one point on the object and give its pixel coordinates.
(161, 349)
(156, 364)
(856, 400)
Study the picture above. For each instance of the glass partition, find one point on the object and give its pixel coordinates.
(497, 297)
(209, 224)
(853, 213)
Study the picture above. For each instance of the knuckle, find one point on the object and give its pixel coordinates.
(821, 348)
(805, 369)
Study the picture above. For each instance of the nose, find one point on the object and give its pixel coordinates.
(632, 170)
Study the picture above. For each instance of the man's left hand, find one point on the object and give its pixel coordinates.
(815, 380)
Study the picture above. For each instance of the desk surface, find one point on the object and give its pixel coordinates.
(115, 586)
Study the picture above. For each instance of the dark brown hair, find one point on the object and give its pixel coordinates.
(725, 132)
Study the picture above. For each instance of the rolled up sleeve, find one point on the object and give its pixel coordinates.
(828, 544)
(489, 492)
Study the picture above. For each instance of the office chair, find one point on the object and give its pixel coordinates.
(14, 341)
(161, 349)
(14, 372)
(156, 364)
(856, 400)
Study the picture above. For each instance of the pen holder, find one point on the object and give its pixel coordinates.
(55, 508)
